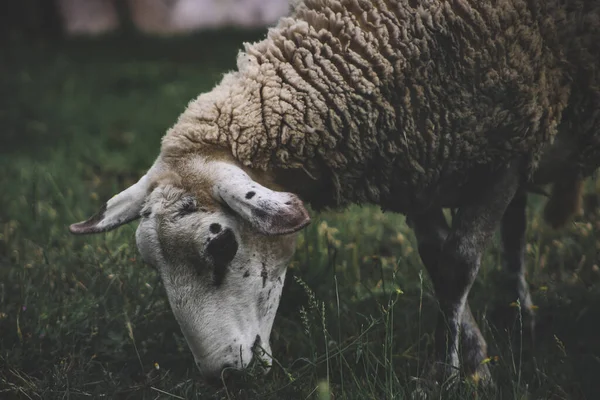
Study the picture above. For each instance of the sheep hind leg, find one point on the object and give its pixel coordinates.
(514, 224)
(431, 231)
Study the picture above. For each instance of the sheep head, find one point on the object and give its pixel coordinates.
(221, 242)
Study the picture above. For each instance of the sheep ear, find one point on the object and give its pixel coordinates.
(270, 212)
(121, 209)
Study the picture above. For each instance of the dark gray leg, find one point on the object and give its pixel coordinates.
(460, 258)
(514, 225)
(431, 231)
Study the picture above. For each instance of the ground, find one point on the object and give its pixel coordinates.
(85, 317)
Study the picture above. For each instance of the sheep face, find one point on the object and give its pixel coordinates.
(221, 249)
(223, 279)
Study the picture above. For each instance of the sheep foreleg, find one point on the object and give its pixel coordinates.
(431, 230)
(460, 258)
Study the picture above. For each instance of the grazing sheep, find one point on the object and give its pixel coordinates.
(411, 105)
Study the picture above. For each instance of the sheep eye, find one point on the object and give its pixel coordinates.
(145, 213)
(188, 206)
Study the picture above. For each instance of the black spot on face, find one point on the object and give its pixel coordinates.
(246, 274)
(222, 250)
(264, 274)
(257, 343)
(250, 195)
(214, 228)
(188, 205)
(259, 213)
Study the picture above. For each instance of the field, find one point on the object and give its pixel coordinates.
(83, 317)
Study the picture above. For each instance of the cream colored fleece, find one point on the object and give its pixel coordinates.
(399, 103)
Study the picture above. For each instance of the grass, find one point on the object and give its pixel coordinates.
(83, 317)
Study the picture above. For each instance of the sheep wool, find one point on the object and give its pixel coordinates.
(400, 102)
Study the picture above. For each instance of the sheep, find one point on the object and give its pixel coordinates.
(411, 105)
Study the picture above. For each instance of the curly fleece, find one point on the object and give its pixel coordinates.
(399, 103)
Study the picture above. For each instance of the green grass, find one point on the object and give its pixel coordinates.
(82, 317)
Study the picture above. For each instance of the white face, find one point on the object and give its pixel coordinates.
(223, 279)
(222, 253)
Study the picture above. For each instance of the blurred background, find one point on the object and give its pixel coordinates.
(152, 17)
(87, 90)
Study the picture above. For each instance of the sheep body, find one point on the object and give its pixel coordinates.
(401, 103)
